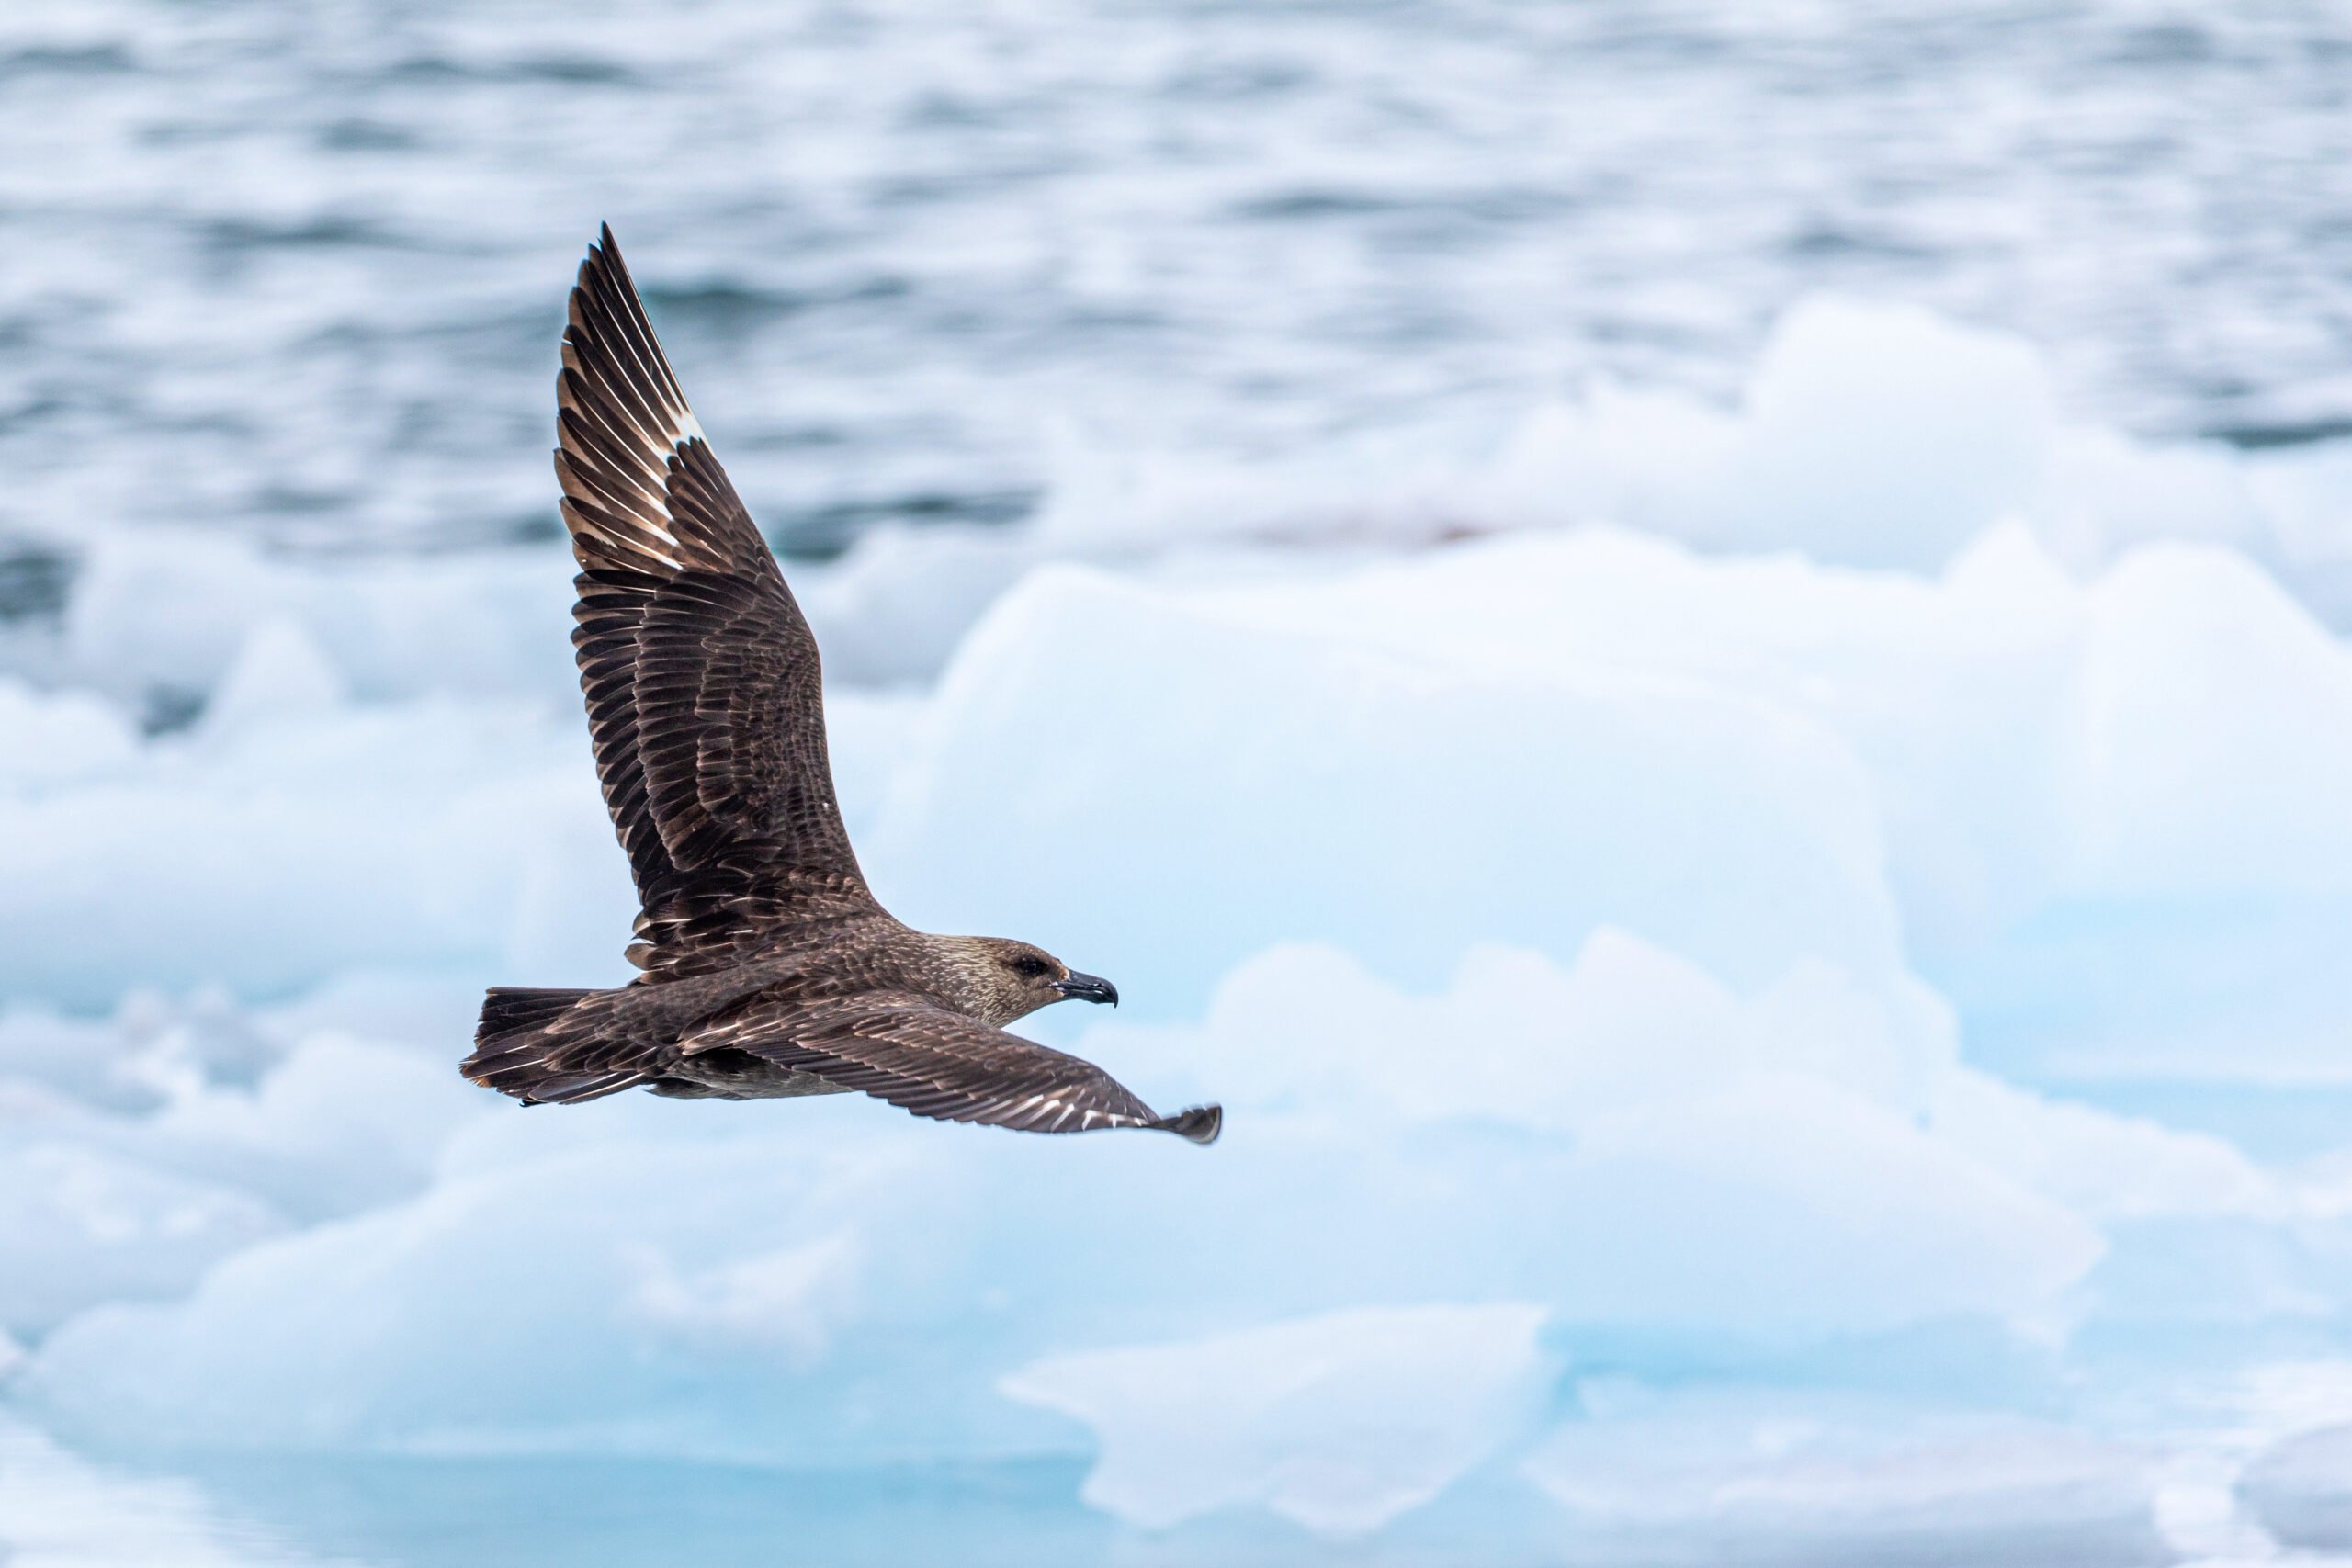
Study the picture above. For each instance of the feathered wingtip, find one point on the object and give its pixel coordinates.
(1199, 1123)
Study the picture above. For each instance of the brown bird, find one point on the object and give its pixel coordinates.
(769, 970)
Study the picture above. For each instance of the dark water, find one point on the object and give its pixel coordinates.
(295, 269)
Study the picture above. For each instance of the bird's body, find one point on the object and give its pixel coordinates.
(769, 970)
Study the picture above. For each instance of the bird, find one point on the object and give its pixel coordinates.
(766, 968)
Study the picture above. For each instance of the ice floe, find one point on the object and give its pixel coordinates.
(1686, 907)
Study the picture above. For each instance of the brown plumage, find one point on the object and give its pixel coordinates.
(768, 969)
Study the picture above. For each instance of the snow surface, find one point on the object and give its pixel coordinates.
(1726, 938)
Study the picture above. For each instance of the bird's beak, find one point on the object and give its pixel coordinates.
(1088, 988)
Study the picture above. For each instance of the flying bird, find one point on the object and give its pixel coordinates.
(767, 968)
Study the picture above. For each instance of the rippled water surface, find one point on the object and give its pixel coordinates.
(297, 268)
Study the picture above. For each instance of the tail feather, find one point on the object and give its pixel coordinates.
(512, 1010)
(571, 1089)
(519, 1051)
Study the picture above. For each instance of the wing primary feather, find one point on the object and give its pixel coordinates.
(698, 672)
(945, 1065)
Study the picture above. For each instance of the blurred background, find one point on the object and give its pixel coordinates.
(1714, 643)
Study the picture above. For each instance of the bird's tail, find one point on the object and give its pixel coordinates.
(518, 1051)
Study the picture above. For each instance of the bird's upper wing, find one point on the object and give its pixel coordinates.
(700, 672)
(916, 1056)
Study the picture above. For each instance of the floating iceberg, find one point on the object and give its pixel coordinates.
(1341, 1421)
(1804, 1019)
(2301, 1490)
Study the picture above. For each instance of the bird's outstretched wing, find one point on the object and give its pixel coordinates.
(943, 1065)
(701, 676)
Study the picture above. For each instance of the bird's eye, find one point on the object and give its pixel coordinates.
(1032, 967)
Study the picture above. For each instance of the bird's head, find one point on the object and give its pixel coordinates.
(1012, 979)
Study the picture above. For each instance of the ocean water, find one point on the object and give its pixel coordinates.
(292, 270)
(1694, 654)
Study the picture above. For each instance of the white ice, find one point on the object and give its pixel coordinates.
(1720, 884)
(2301, 1490)
(1340, 1421)
(58, 1511)
(1781, 1477)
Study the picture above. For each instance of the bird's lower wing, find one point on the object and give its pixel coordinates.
(945, 1065)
